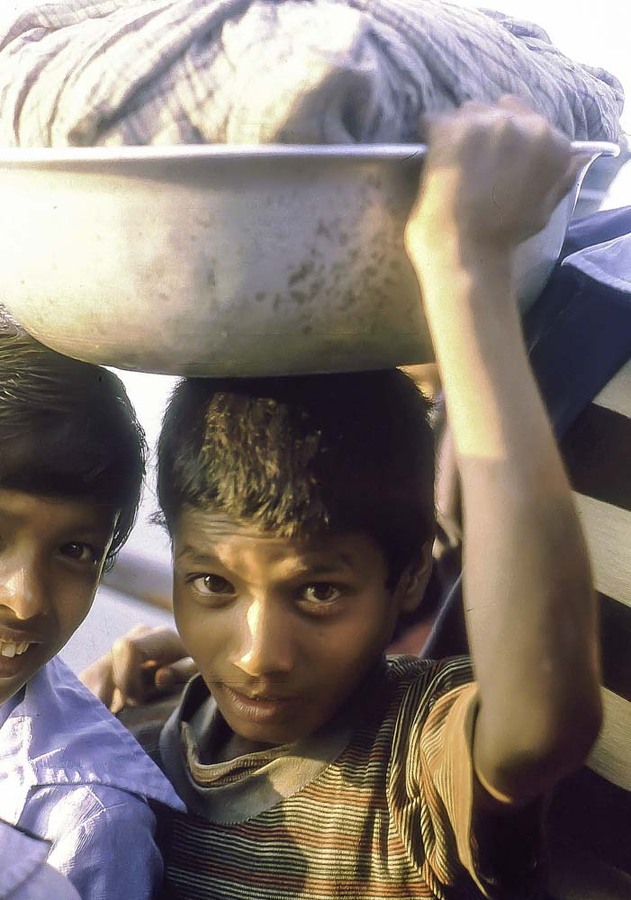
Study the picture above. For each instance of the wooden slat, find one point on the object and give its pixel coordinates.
(611, 757)
(608, 532)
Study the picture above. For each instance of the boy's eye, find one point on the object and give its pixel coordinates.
(320, 592)
(212, 584)
(80, 552)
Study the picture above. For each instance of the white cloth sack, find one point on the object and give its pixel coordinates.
(86, 72)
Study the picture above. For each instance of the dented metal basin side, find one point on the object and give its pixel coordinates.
(228, 264)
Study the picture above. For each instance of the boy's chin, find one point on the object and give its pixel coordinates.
(267, 722)
(16, 671)
(9, 687)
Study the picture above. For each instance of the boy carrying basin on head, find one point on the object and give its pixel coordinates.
(71, 466)
(301, 517)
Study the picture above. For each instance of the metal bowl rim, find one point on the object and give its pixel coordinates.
(55, 156)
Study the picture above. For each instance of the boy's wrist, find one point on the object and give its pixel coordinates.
(454, 274)
(453, 251)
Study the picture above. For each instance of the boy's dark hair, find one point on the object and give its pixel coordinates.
(303, 455)
(67, 429)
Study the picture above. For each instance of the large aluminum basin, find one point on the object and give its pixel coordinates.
(232, 260)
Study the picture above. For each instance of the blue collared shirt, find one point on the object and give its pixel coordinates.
(73, 775)
(23, 870)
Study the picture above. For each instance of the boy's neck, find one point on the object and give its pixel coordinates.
(216, 741)
(234, 747)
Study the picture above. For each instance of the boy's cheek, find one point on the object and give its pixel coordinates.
(197, 635)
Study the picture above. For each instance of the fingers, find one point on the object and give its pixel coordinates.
(509, 109)
(98, 678)
(160, 645)
(516, 104)
(176, 674)
(493, 174)
(141, 664)
(138, 656)
(569, 163)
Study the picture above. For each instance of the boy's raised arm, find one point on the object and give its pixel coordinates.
(493, 176)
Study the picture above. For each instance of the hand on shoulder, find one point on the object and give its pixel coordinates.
(142, 665)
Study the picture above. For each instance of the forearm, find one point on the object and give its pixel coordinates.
(528, 594)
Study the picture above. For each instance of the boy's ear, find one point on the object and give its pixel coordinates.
(413, 582)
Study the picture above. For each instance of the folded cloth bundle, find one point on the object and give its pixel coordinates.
(97, 72)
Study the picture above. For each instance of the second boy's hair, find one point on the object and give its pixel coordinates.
(305, 455)
(67, 429)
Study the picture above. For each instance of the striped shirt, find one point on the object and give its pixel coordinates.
(377, 805)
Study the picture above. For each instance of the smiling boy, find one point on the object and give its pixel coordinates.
(79, 534)
(301, 517)
(71, 467)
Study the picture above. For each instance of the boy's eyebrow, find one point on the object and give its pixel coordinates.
(335, 562)
(88, 526)
(200, 557)
(194, 554)
(84, 524)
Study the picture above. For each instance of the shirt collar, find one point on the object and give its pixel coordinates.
(57, 733)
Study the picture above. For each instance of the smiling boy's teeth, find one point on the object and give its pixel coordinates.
(8, 648)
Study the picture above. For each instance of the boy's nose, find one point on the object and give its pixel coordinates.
(23, 591)
(266, 646)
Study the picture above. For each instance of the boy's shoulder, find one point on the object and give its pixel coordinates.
(58, 733)
(426, 680)
(426, 704)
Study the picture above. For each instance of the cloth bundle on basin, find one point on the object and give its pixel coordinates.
(84, 72)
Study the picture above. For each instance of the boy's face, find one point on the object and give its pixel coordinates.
(283, 631)
(51, 557)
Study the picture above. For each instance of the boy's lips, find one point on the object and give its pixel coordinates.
(16, 649)
(15, 636)
(259, 706)
(16, 658)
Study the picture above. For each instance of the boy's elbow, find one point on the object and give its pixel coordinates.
(570, 741)
(574, 726)
(533, 760)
